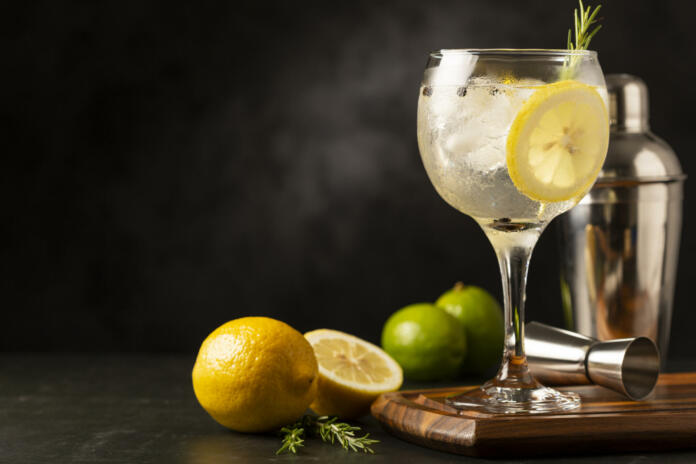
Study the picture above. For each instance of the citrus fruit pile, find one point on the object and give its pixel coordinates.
(461, 333)
(257, 374)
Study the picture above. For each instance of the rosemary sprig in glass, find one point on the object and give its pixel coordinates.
(583, 22)
(329, 430)
(583, 35)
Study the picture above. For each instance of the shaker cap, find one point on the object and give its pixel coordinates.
(635, 154)
(628, 102)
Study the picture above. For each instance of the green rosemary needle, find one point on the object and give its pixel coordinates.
(329, 430)
(583, 22)
(584, 33)
(292, 439)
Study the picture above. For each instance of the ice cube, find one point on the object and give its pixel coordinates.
(445, 106)
(474, 144)
(463, 142)
(475, 125)
(491, 106)
(488, 156)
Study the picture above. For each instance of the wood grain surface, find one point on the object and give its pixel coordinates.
(606, 422)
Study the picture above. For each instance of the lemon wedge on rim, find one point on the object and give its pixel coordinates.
(558, 141)
(352, 373)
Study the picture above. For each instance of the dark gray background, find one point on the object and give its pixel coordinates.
(171, 167)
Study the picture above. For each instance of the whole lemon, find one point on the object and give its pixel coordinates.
(255, 374)
(426, 341)
(482, 319)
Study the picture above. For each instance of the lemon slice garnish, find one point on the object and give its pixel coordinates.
(558, 141)
(352, 373)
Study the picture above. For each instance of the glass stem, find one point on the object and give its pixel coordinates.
(513, 259)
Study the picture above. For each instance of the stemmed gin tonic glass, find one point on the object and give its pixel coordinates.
(513, 138)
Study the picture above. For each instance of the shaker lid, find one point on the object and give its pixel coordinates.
(635, 153)
(628, 102)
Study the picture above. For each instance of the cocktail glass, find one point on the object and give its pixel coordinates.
(513, 138)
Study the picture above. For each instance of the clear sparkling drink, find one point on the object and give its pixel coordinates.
(462, 132)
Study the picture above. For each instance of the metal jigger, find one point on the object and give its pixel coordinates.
(560, 357)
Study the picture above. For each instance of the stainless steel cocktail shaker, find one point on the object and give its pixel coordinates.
(619, 245)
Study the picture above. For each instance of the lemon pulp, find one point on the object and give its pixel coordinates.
(352, 373)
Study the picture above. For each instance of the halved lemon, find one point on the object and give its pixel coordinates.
(558, 141)
(352, 373)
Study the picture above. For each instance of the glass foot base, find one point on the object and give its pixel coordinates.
(515, 400)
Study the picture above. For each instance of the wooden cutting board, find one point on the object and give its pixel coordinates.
(606, 422)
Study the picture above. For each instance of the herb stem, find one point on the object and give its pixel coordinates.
(329, 430)
(582, 26)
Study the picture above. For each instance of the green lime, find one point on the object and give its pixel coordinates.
(426, 341)
(482, 319)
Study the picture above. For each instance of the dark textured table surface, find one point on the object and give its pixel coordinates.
(141, 409)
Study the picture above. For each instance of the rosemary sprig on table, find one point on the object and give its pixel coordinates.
(329, 430)
(292, 439)
(583, 35)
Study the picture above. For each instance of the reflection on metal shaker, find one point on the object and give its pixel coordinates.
(619, 246)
